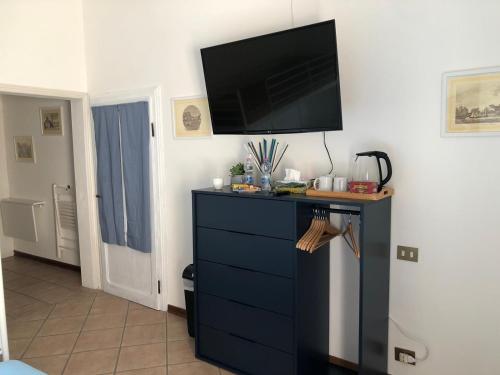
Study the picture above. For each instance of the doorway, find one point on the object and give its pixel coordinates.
(85, 190)
(56, 325)
(88, 241)
(82, 137)
(38, 201)
(125, 271)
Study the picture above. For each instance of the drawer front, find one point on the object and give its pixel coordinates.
(251, 323)
(253, 252)
(243, 355)
(256, 289)
(247, 215)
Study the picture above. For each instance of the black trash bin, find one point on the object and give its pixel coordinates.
(188, 276)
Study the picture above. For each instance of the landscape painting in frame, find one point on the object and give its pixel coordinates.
(191, 117)
(23, 147)
(51, 121)
(472, 102)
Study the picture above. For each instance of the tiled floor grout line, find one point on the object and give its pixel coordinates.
(79, 334)
(130, 346)
(44, 320)
(121, 339)
(166, 341)
(35, 335)
(41, 301)
(35, 298)
(77, 296)
(34, 277)
(72, 289)
(27, 295)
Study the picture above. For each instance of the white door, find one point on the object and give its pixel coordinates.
(129, 273)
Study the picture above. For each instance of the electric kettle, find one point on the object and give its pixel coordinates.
(366, 174)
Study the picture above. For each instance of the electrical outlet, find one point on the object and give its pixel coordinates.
(405, 356)
(408, 253)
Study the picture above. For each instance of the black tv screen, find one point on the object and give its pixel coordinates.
(285, 82)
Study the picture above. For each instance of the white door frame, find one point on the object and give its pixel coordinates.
(83, 152)
(153, 96)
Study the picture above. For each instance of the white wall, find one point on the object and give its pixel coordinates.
(42, 44)
(154, 43)
(392, 55)
(54, 164)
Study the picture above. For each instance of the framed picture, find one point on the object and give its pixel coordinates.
(51, 120)
(191, 117)
(471, 103)
(24, 149)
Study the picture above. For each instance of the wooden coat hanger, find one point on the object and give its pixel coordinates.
(309, 234)
(302, 240)
(349, 232)
(328, 233)
(319, 233)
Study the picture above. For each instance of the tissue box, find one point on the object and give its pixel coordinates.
(299, 187)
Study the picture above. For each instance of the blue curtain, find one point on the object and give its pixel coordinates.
(109, 174)
(122, 140)
(134, 121)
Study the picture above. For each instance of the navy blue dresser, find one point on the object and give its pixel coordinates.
(262, 306)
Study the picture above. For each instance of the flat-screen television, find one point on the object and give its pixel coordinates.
(284, 82)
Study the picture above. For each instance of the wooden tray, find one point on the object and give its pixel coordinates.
(385, 193)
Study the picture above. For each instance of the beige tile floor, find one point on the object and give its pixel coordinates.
(59, 327)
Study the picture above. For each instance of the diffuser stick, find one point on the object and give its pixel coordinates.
(256, 153)
(281, 157)
(253, 151)
(271, 152)
(274, 155)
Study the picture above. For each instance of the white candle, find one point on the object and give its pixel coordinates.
(218, 183)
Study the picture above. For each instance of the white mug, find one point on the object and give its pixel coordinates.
(340, 184)
(218, 183)
(323, 183)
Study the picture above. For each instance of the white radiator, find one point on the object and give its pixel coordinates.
(66, 222)
(19, 218)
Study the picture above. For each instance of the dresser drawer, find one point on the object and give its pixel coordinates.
(247, 215)
(243, 355)
(254, 252)
(248, 322)
(256, 289)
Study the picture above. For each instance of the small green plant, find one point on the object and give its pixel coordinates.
(237, 170)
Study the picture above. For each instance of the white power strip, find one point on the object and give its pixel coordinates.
(407, 358)
(413, 338)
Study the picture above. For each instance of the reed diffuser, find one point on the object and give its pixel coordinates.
(267, 151)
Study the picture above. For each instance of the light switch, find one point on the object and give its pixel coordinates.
(408, 253)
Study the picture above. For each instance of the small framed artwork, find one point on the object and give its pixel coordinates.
(51, 120)
(191, 117)
(471, 103)
(24, 149)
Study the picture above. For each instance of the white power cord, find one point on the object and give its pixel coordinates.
(405, 333)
